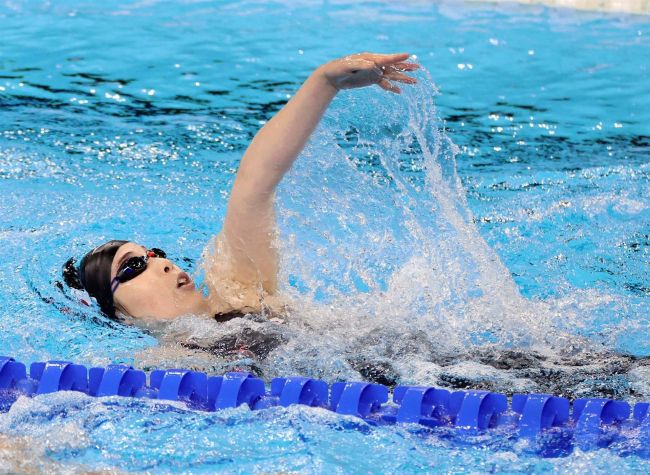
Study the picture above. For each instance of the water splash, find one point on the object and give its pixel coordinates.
(406, 288)
(389, 278)
(415, 248)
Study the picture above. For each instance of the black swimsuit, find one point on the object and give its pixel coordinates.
(247, 342)
(224, 317)
(254, 339)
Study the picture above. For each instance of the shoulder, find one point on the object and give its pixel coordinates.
(228, 291)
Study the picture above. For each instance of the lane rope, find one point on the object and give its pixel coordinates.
(552, 424)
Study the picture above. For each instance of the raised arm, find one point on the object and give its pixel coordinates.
(247, 237)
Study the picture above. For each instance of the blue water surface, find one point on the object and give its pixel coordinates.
(127, 120)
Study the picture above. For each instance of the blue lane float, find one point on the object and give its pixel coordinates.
(552, 424)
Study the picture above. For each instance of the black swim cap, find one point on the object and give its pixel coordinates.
(94, 274)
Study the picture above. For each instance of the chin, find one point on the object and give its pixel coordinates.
(197, 304)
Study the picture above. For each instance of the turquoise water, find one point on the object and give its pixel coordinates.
(127, 120)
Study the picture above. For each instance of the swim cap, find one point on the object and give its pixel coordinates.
(94, 274)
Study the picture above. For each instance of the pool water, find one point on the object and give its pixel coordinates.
(489, 228)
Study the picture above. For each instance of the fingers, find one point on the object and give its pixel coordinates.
(395, 61)
(406, 66)
(386, 59)
(393, 75)
(381, 69)
(388, 86)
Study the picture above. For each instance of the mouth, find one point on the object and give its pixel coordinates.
(184, 281)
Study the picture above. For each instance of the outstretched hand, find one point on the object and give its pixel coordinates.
(365, 69)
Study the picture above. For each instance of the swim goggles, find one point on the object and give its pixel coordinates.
(134, 266)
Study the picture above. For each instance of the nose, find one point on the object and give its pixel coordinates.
(163, 263)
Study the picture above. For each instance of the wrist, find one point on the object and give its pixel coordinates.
(325, 81)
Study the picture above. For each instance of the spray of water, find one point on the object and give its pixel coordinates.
(413, 243)
(387, 274)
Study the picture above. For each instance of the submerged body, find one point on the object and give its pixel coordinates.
(262, 345)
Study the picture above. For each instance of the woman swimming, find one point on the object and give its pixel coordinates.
(127, 279)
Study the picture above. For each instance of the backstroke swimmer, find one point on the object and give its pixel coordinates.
(131, 280)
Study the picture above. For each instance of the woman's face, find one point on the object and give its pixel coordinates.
(161, 292)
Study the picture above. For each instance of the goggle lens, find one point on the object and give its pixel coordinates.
(134, 266)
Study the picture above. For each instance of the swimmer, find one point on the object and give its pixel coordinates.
(241, 264)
